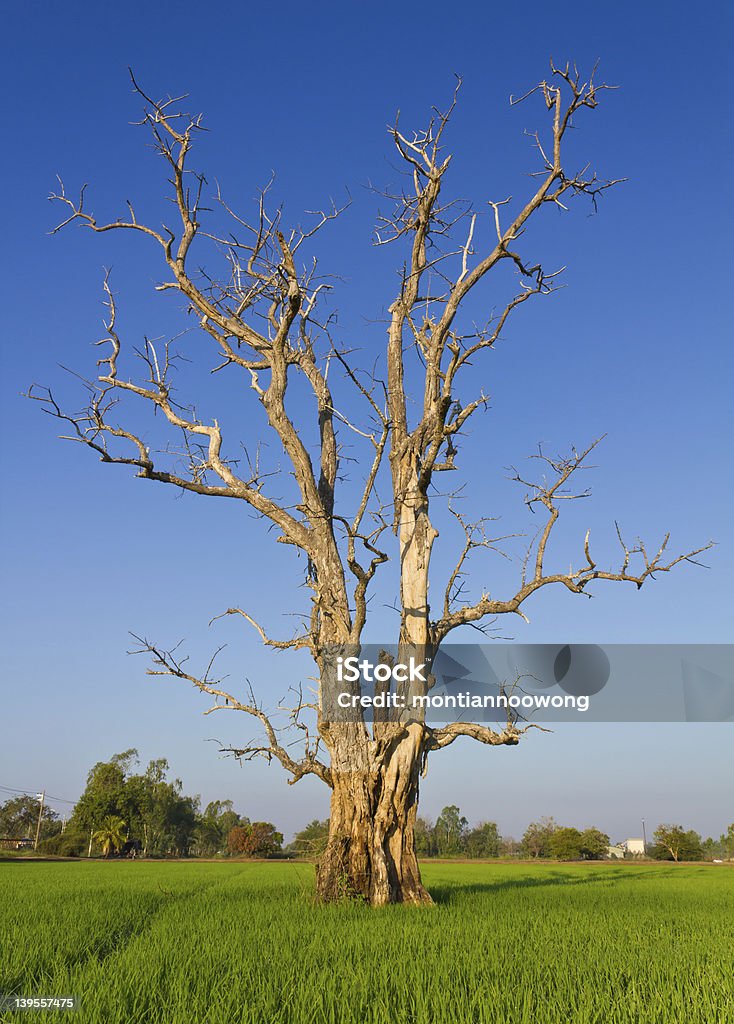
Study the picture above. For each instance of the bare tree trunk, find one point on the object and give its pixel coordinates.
(371, 851)
(371, 846)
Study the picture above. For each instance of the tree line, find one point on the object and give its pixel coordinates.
(144, 812)
(545, 838)
(451, 836)
(149, 813)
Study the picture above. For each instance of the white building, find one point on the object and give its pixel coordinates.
(628, 848)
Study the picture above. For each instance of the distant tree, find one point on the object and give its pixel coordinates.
(111, 836)
(19, 819)
(208, 837)
(311, 841)
(69, 843)
(672, 842)
(510, 847)
(727, 842)
(594, 844)
(213, 827)
(125, 760)
(450, 831)
(537, 836)
(255, 839)
(714, 849)
(692, 846)
(565, 844)
(222, 811)
(167, 817)
(238, 840)
(425, 839)
(105, 795)
(181, 823)
(484, 840)
(156, 811)
(721, 848)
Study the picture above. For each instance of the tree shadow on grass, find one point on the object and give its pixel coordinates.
(446, 894)
(10, 859)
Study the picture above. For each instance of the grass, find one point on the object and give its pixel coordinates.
(147, 943)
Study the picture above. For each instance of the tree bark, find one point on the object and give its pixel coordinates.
(371, 846)
(370, 853)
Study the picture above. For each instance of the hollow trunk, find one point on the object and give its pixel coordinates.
(370, 852)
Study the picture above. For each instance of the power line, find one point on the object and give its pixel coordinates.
(20, 792)
(34, 794)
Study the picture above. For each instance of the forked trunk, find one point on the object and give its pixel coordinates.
(371, 847)
(371, 850)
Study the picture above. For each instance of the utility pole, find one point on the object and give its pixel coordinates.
(644, 838)
(40, 797)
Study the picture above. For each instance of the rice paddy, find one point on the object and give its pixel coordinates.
(223, 943)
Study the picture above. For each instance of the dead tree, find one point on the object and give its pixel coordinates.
(261, 316)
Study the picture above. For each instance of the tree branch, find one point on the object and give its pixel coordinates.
(548, 494)
(170, 665)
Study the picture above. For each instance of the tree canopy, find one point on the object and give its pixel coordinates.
(155, 810)
(19, 819)
(673, 842)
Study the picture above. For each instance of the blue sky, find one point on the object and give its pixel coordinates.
(638, 344)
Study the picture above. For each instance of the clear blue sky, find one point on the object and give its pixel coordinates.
(638, 344)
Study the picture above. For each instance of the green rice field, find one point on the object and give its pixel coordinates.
(222, 943)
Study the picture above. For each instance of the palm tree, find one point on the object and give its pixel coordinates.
(110, 837)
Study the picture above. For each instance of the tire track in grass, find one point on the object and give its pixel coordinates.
(97, 1010)
(108, 946)
(168, 900)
